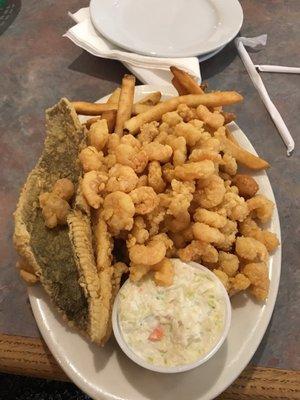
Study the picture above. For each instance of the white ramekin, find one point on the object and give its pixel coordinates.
(181, 368)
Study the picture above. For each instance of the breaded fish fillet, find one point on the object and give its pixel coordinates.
(62, 257)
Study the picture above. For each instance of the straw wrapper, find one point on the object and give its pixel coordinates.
(256, 43)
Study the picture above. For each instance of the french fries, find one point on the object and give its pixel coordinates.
(231, 137)
(140, 108)
(243, 156)
(179, 87)
(186, 81)
(151, 99)
(85, 108)
(192, 100)
(125, 103)
(110, 116)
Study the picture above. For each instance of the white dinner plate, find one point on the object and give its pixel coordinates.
(177, 28)
(107, 374)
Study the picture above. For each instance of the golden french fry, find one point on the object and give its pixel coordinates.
(243, 156)
(151, 99)
(85, 108)
(178, 86)
(90, 121)
(192, 100)
(231, 137)
(114, 97)
(110, 116)
(125, 103)
(186, 81)
(213, 99)
(140, 108)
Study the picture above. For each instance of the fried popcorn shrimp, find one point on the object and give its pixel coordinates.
(223, 278)
(178, 145)
(163, 238)
(251, 249)
(155, 179)
(138, 271)
(250, 228)
(238, 283)
(109, 161)
(185, 112)
(229, 165)
(144, 199)
(164, 127)
(149, 254)
(127, 155)
(236, 207)
(161, 137)
(198, 250)
(207, 234)
(178, 205)
(177, 224)
(143, 181)
(198, 124)
(118, 211)
(168, 172)
(211, 218)
(228, 263)
(210, 192)
(261, 207)
(113, 142)
(178, 239)
(230, 231)
(205, 154)
(139, 231)
(98, 134)
(194, 170)
(158, 152)
(210, 143)
(246, 184)
(229, 187)
(90, 159)
(154, 219)
(93, 183)
(191, 134)
(172, 118)
(121, 177)
(258, 276)
(54, 209)
(64, 188)
(149, 132)
(164, 272)
(213, 119)
(131, 141)
(220, 133)
(181, 197)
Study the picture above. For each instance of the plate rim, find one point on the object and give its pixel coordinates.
(227, 38)
(66, 364)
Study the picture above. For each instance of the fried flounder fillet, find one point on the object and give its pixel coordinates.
(62, 257)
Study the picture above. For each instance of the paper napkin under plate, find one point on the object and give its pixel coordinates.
(149, 70)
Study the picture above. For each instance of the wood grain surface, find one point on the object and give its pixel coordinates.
(31, 357)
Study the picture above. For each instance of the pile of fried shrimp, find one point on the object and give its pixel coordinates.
(163, 177)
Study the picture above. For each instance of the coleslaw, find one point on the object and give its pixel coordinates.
(175, 325)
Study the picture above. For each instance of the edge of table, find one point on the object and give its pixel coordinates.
(30, 356)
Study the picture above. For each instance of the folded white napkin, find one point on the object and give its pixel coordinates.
(150, 70)
(257, 43)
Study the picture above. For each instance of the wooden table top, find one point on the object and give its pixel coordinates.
(38, 67)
